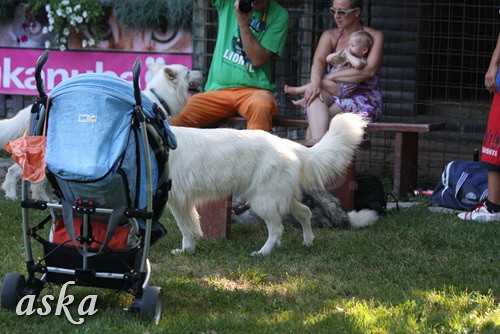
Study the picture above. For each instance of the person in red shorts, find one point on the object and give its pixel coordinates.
(489, 210)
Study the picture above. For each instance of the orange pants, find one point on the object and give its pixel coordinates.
(258, 106)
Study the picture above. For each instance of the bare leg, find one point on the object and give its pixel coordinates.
(318, 114)
(292, 90)
(334, 110)
(331, 87)
(300, 103)
(494, 187)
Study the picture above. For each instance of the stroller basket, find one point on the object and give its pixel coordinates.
(111, 270)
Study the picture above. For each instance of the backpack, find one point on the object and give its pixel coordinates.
(463, 185)
(369, 193)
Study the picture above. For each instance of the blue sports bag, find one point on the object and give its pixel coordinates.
(463, 185)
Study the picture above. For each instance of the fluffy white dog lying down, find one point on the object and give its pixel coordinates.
(212, 163)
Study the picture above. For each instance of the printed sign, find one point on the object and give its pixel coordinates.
(17, 66)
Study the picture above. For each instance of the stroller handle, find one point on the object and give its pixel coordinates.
(136, 72)
(38, 73)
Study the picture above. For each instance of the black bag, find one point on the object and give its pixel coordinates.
(369, 193)
(463, 185)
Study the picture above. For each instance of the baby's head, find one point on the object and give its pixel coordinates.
(360, 43)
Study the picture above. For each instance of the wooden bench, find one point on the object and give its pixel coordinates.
(405, 146)
(215, 216)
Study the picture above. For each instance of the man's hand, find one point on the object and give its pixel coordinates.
(257, 54)
(242, 18)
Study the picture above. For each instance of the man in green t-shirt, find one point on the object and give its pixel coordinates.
(239, 81)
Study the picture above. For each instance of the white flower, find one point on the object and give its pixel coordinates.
(51, 28)
(65, 31)
(59, 12)
(45, 30)
(79, 19)
(65, 2)
(91, 41)
(47, 44)
(84, 43)
(62, 47)
(47, 8)
(51, 21)
(69, 10)
(63, 40)
(77, 7)
(85, 14)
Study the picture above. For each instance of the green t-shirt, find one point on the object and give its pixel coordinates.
(230, 66)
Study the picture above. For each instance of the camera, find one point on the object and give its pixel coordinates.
(245, 6)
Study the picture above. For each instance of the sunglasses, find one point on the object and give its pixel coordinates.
(341, 12)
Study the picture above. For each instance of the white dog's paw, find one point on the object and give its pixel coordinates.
(176, 251)
(257, 253)
(308, 243)
(261, 252)
(12, 197)
(308, 240)
(38, 192)
(182, 250)
(9, 192)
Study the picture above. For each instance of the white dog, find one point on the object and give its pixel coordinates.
(168, 81)
(271, 172)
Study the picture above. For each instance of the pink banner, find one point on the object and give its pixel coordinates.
(17, 67)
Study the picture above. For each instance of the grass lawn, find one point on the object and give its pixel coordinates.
(414, 272)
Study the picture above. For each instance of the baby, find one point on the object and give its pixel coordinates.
(358, 47)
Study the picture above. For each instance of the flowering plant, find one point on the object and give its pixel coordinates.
(63, 17)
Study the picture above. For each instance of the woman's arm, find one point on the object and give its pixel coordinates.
(491, 75)
(372, 62)
(324, 48)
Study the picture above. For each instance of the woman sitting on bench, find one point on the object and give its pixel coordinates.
(367, 99)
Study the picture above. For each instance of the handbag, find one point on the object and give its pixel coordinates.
(29, 153)
(463, 185)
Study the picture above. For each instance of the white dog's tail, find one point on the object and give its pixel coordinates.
(330, 157)
(362, 218)
(13, 128)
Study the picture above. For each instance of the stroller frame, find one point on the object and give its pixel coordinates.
(130, 269)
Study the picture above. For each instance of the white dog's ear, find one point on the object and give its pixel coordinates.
(171, 74)
(154, 67)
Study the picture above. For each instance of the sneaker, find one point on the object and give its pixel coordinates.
(480, 213)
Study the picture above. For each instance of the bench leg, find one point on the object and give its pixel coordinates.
(215, 218)
(405, 163)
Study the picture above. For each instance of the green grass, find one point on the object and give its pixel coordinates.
(414, 272)
(4, 153)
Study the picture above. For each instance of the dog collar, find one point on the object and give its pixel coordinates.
(162, 102)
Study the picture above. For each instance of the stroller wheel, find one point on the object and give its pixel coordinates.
(12, 290)
(151, 304)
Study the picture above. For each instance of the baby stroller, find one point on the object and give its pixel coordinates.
(107, 161)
